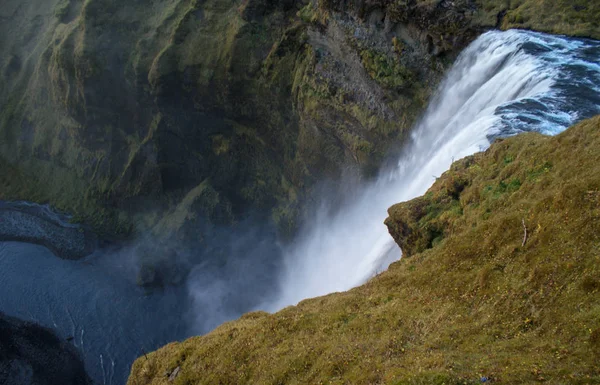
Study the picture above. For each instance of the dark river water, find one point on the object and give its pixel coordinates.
(95, 302)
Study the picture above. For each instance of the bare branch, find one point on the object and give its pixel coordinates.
(524, 232)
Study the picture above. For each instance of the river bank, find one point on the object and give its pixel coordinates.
(38, 224)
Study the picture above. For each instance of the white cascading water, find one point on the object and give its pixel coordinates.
(502, 84)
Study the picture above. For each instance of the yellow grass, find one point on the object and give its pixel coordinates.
(475, 303)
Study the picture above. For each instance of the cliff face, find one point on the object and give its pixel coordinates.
(475, 298)
(208, 109)
(158, 117)
(564, 17)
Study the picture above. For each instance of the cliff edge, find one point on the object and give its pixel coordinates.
(499, 283)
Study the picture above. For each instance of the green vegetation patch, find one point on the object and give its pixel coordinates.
(385, 70)
(567, 17)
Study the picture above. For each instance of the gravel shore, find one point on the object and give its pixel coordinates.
(31, 223)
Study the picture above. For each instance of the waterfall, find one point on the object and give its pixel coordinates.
(504, 83)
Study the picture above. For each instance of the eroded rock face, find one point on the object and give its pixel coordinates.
(418, 224)
(432, 27)
(115, 109)
(33, 355)
(118, 111)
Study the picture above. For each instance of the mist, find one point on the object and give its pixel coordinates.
(481, 98)
(237, 273)
(343, 241)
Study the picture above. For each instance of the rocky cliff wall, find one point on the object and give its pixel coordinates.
(154, 116)
(212, 108)
(33, 355)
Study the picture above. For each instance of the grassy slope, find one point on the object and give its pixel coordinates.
(473, 303)
(567, 17)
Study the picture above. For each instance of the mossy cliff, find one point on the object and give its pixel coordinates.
(110, 108)
(565, 17)
(473, 298)
(138, 115)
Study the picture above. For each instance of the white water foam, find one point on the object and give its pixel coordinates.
(473, 104)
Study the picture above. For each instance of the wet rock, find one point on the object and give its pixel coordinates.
(160, 266)
(33, 355)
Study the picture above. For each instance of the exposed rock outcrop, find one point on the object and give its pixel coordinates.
(422, 222)
(33, 355)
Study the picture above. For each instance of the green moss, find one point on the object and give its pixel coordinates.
(61, 9)
(385, 70)
(203, 201)
(575, 18)
(308, 14)
(285, 217)
(62, 191)
(436, 379)
(535, 173)
(220, 144)
(398, 45)
(255, 70)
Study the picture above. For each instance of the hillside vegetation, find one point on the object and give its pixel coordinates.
(473, 299)
(566, 17)
(151, 116)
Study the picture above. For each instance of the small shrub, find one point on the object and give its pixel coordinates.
(62, 10)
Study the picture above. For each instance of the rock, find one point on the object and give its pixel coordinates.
(33, 355)
(147, 277)
(160, 266)
(174, 375)
(413, 224)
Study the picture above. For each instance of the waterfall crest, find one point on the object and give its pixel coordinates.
(504, 83)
